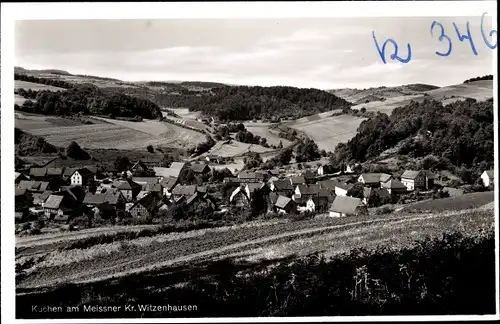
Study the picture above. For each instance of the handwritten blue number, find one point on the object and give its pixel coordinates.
(490, 34)
(393, 56)
(464, 37)
(441, 37)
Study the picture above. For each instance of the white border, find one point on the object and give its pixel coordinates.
(11, 12)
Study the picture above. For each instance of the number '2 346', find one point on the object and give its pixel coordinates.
(437, 29)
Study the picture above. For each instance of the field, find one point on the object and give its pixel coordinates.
(252, 242)
(327, 132)
(479, 90)
(473, 200)
(35, 86)
(109, 133)
(263, 130)
(236, 148)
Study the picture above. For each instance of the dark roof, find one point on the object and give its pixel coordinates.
(146, 180)
(410, 174)
(231, 180)
(53, 202)
(20, 191)
(345, 205)
(192, 198)
(250, 175)
(393, 184)
(327, 184)
(308, 190)
(68, 172)
(96, 199)
(324, 193)
(274, 197)
(274, 172)
(199, 167)
(38, 172)
(184, 190)
(154, 187)
(309, 174)
(490, 174)
(139, 164)
(375, 177)
(150, 201)
(282, 201)
(33, 185)
(382, 192)
(345, 186)
(283, 185)
(255, 186)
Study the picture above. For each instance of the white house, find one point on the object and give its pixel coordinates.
(81, 176)
(487, 177)
(341, 189)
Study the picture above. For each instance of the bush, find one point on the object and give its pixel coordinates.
(150, 149)
(384, 210)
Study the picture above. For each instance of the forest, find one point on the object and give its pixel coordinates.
(230, 103)
(485, 77)
(460, 134)
(88, 100)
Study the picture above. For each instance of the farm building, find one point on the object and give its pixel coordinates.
(488, 177)
(81, 177)
(246, 176)
(76, 192)
(40, 198)
(139, 169)
(239, 197)
(55, 173)
(282, 187)
(341, 189)
(68, 172)
(146, 206)
(60, 206)
(128, 188)
(297, 180)
(38, 174)
(252, 187)
(306, 191)
(328, 185)
(23, 199)
(368, 193)
(309, 176)
(200, 168)
(394, 187)
(417, 180)
(34, 186)
(285, 205)
(173, 171)
(145, 181)
(347, 206)
(183, 190)
(374, 180)
(168, 185)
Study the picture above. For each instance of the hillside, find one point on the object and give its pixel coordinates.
(460, 134)
(380, 93)
(27, 144)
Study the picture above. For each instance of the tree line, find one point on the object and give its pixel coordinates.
(485, 77)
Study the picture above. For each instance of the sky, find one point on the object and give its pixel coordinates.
(326, 53)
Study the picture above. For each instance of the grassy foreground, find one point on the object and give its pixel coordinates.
(451, 274)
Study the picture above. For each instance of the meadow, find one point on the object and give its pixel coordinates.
(18, 84)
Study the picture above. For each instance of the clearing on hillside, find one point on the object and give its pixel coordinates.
(328, 132)
(235, 148)
(472, 200)
(264, 131)
(35, 86)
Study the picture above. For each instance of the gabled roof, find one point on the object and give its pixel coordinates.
(38, 172)
(33, 185)
(274, 172)
(393, 184)
(308, 190)
(283, 201)
(346, 205)
(382, 192)
(410, 174)
(199, 167)
(20, 192)
(155, 187)
(255, 186)
(173, 171)
(237, 191)
(375, 177)
(192, 198)
(139, 164)
(113, 196)
(184, 190)
(145, 180)
(149, 201)
(324, 193)
(126, 185)
(55, 171)
(68, 172)
(298, 180)
(345, 186)
(96, 199)
(53, 202)
(251, 175)
(169, 183)
(309, 174)
(490, 174)
(327, 184)
(283, 184)
(84, 172)
(274, 197)
(231, 180)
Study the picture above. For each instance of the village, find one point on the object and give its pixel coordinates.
(73, 198)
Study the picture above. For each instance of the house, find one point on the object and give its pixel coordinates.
(347, 206)
(320, 171)
(351, 167)
(341, 189)
(285, 205)
(488, 177)
(200, 168)
(374, 180)
(309, 176)
(39, 198)
(246, 176)
(306, 191)
(68, 172)
(76, 192)
(155, 187)
(34, 186)
(231, 180)
(60, 206)
(168, 185)
(145, 181)
(81, 177)
(173, 171)
(18, 177)
(55, 173)
(318, 202)
(183, 190)
(146, 206)
(239, 197)
(394, 187)
(128, 188)
(368, 193)
(328, 185)
(252, 187)
(297, 180)
(412, 180)
(282, 187)
(140, 169)
(274, 172)
(38, 174)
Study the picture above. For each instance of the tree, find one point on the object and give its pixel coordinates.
(253, 160)
(92, 185)
(285, 156)
(280, 145)
(307, 151)
(76, 152)
(150, 149)
(122, 163)
(357, 191)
